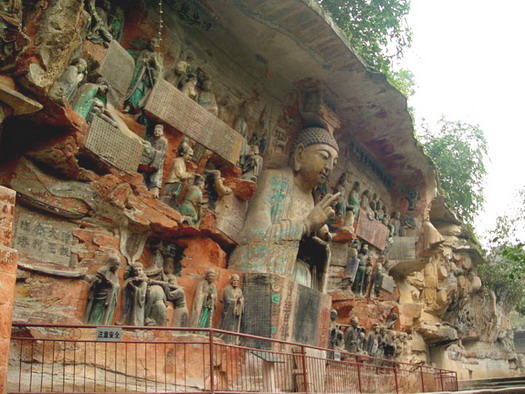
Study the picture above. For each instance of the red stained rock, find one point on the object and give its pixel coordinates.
(241, 188)
(203, 252)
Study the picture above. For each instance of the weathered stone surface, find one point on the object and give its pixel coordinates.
(372, 231)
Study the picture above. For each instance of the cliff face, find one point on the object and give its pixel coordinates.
(229, 76)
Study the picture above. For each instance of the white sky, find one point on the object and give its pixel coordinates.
(468, 57)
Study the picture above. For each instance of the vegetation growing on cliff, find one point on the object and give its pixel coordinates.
(378, 31)
(459, 151)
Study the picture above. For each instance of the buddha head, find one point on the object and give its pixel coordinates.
(314, 156)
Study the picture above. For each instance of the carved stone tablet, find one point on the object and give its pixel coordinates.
(168, 105)
(113, 146)
(307, 311)
(42, 239)
(388, 284)
(231, 212)
(117, 68)
(372, 231)
(257, 318)
(339, 254)
(403, 249)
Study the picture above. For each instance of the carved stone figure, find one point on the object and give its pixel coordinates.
(354, 200)
(367, 277)
(178, 175)
(350, 219)
(135, 288)
(395, 224)
(193, 199)
(358, 285)
(380, 211)
(115, 22)
(252, 165)
(372, 341)
(389, 345)
(160, 145)
(98, 31)
(149, 67)
(215, 187)
(177, 296)
(242, 127)
(205, 302)
(340, 187)
(155, 312)
(350, 268)
(179, 73)
(66, 85)
(336, 338)
(379, 274)
(282, 211)
(352, 344)
(206, 98)
(103, 294)
(189, 86)
(85, 100)
(12, 38)
(233, 308)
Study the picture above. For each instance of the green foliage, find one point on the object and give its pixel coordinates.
(377, 30)
(504, 271)
(459, 151)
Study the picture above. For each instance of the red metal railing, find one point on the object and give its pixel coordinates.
(68, 358)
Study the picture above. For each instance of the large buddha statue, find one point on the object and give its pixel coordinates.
(284, 231)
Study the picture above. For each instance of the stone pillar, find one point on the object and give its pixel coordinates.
(8, 264)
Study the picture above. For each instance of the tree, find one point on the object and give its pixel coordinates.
(376, 29)
(504, 270)
(459, 151)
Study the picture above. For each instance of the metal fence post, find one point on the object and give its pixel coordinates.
(422, 379)
(359, 375)
(212, 373)
(395, 377)
(305, 373)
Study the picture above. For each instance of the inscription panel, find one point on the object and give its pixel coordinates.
(44, 239)
(113, 146)
(307, 312)
(372, 231)
(403, 249)
(339, 254)
(230, 216)
(257, 318)
(117, 68)
(167, 104)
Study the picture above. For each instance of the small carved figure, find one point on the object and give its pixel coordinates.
(103, 294)
(352, 344)
(215, 188)
(358, 285)
(155, 312)
(379, 274)
(115, 22)
(179, 73)
(380, 211)
(149, 67)
(367, 277)
(160, 145)
(340, 187)
(354, 199)
(373, 203)
(84, 100)
(350, 219)
(66, 85)
(98, 31)
(252, 165)
(395, 224)
(233, 309)
(178, 175)
(193, 199)
(350, 268)
(241, 126)
(205, 302)
(336, 338)
(206, 98)
(189, 86)
(372, 341)
(135, 288)
(177, 296)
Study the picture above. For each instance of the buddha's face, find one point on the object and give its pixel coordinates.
(314, 163)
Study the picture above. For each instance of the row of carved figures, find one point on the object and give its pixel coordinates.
(146, 295)
(380, 342)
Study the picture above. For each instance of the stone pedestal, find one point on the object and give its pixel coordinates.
(8, 264)
(279, 308)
